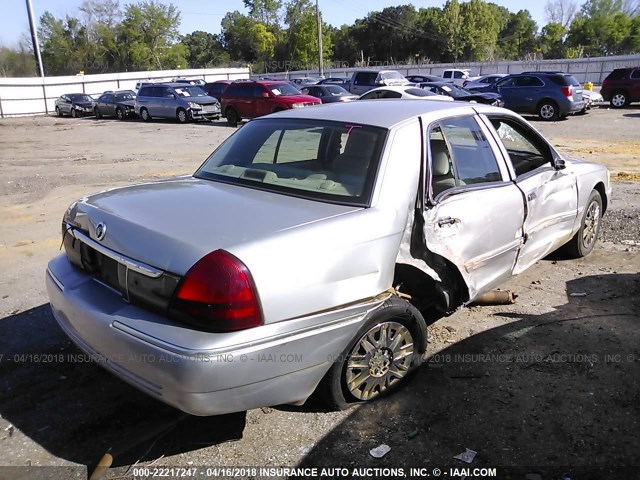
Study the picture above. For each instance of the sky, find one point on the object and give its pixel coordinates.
(207, 14)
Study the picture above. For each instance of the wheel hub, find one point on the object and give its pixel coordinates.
(379, 362)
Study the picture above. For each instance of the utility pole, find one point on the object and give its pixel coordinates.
(34, 38)
(320, 61)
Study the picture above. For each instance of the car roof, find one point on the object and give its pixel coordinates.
(384, 113)
(393, 88)
(179, 84)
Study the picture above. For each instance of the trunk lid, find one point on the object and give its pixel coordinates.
(172, 224)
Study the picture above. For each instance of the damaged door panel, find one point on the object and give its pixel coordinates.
(475, 215)
(549, 190)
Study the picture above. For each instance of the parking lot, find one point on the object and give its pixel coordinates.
(551, 381)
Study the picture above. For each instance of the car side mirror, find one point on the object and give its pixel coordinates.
(559, 164)
(265, 95)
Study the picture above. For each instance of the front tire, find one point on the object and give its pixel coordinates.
(585, 238)
(548, 111)
(120, 114)
(619, 99)
(379, 359)
(58, 112)
(97, 113)
(182, 116)
(74, 113)
(144, 114)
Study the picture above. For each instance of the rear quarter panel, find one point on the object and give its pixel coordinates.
(344, 259)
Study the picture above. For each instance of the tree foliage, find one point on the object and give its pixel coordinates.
(282, 35)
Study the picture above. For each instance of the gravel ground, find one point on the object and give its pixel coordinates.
(545, 412)
(621, 224)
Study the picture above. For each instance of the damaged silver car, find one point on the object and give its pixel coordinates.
(298, 257)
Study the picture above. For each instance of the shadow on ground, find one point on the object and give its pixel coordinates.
(77, 411)
(549, 394)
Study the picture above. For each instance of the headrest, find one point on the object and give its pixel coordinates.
(439, 158)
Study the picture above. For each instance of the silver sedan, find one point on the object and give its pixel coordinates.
(277, 268)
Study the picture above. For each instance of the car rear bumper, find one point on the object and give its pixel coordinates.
(284, 365)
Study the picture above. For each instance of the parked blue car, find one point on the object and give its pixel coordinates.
(550, 95)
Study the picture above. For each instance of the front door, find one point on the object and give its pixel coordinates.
(551, 193)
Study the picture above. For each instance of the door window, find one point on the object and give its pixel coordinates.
(525, 148)
(461, 155)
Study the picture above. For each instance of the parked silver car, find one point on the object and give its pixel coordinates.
(275, 269)
(181, 101)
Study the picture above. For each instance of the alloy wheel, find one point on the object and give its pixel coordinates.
(381, 358)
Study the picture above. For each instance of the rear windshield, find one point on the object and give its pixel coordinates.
(618, 74)
(419, 92)
(564, 80)
(314, 159)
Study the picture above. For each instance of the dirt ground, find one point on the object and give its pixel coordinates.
(550, 385)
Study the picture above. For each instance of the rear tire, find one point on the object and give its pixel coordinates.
(144, 114)
(232, 117)
(619, 99)
(585, 238)
(548, 111)
(379, 359)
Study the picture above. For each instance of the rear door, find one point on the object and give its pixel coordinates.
(109, 107)
(551, 193)
(474, 213)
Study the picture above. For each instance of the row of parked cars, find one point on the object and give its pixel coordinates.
(550, 95)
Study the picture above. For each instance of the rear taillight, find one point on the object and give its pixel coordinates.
(218, 294)
(567, 91)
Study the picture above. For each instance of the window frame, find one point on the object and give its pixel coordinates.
(503, 167)
(553, 155)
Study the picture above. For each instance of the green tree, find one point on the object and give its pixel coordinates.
(303, 34)
(204, 49)
(149, 35)
(518, 37)
(480, 29)
(17, 62)
(450, 26)
(552, 41)
(265, 11)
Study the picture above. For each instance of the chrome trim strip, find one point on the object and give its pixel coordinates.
(251, 346)
(55, 280)
(134, 265)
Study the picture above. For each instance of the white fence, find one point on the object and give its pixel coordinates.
(29, 96)
(593, 69)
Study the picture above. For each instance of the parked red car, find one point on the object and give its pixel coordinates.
(254, 99)
(621, 87)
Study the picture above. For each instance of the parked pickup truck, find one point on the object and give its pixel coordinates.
(458, 76)
(364, 80)
(315, 237)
